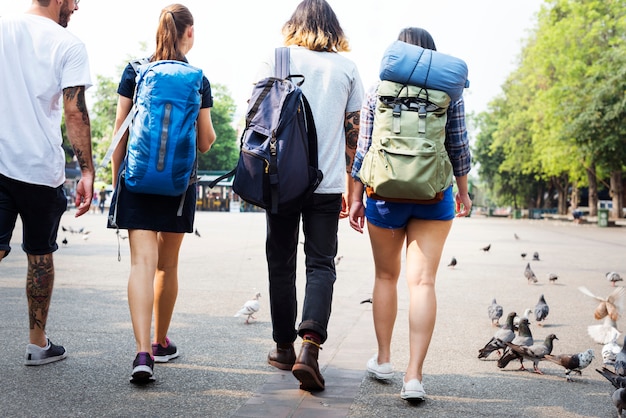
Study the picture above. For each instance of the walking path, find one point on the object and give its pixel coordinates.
(222, 370)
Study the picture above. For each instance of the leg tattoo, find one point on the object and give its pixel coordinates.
(39, 282)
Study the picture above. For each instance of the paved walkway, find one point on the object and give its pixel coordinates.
(222, 371)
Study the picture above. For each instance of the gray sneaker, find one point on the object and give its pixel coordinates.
(36, 356)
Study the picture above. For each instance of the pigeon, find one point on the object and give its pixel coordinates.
(495, 312)
(64, 241)
(612, 305)
(609, 351)
(368, 300)
(486, 248)
(572, 362)
(517, 319)
(500, 338)
(524, 339)
(535, 256)
(452, 262)
(605, 332)
(541, 310)
(523, 255)
(613, 277)
(619, 400)
(338, 260)
(552, 277)
(515, 235)
(616, 380)
(530, 274)
(250, 308)
(620, 360)
(197, 233)
(535, 352)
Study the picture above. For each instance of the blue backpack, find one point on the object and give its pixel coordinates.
(161, 151)
(277, 167)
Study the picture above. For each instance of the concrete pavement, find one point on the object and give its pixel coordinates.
(222, 370)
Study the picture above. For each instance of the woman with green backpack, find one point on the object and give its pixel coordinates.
(424, 227)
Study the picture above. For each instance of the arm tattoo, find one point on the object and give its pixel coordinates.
(352, 124)
(78, 93)
(39, 281)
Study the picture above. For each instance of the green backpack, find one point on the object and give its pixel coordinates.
(407, 160)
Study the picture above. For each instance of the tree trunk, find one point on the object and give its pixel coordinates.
(617, 194)
(593, 190)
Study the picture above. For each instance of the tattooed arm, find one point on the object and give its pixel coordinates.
(79, 134)
(351, 126)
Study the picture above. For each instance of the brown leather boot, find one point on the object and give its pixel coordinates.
(306, 369)
(283, 356)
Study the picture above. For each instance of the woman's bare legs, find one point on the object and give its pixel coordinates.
(143, 263)
(387, 250)
(166, 283)
(425, 241)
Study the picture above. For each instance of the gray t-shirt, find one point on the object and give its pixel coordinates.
(333, 87)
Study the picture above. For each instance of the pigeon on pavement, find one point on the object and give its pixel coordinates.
(616, 380)
(526, 315)
(530, 274)
(500, 338)
(524, 338)
(541, 310)
(250, 308)
(535, 256)
(535, 352)
(495, 312)
(452, 262)
(572, 362)
(619, 400)
(620, 360)
(613, 277)
(486, 248)
(609, 351)
(552, 277)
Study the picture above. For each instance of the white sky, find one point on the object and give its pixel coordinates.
(233, 35)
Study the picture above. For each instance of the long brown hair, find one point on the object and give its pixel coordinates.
(314, 26)
(173, 22)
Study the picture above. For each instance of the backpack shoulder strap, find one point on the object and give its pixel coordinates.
(136, 63)
(281, 64)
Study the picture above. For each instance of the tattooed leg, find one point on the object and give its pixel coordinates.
(39, 282)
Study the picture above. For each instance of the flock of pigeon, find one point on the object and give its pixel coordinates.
(513, 341)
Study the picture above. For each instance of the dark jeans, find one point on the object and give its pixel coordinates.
(320, 217)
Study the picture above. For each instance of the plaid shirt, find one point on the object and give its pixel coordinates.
(456, 142)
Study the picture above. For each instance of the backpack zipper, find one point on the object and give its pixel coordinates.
(164, 135)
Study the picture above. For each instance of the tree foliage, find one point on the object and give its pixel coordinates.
(559, 122)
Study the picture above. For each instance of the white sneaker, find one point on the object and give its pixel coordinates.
(379, 371)
(412, 390)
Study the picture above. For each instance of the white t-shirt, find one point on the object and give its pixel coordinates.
(333, 87)
(38, 59)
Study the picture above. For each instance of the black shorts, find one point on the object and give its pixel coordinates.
(39, 207)
(152, 212)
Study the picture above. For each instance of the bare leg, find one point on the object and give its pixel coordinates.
(425, 241)
(387, 251)
(39, 283)
(143, 256)
(166, 283)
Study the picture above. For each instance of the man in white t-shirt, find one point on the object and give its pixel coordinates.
(334, 90)
(41, 62)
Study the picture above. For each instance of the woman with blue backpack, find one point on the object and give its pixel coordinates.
(158, 212)
(424, 225)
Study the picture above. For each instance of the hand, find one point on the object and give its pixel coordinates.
(84, 195)
(463, 204)
(357, 216)
(345, 208)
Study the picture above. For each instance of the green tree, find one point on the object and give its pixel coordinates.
(225, 151)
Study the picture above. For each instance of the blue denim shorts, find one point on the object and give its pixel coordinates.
(393, 215)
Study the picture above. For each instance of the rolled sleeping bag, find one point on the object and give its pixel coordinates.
(411, 64)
